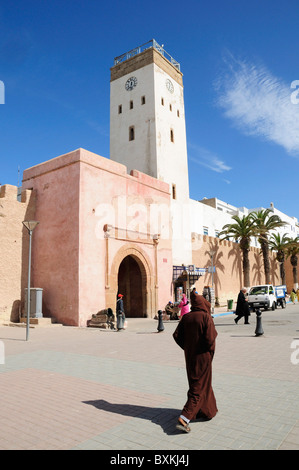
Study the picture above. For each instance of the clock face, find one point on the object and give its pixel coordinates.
(131, 83)
(169, 85)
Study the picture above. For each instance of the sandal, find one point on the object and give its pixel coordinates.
(182, 426)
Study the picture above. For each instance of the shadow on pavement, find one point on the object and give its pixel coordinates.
(164, 417)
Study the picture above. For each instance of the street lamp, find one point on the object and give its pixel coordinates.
(30, 226)
(212, 253)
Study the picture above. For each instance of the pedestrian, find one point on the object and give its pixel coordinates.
(242, 309)
(120, 313)
(184, 306)
(196, 335)
(171, 310)
(192, 293)
(293, 296)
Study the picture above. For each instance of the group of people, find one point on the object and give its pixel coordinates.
(196, 335)
(183, 306)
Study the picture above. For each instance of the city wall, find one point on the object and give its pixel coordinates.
(14, 243)
(48, 267)
(228, 275)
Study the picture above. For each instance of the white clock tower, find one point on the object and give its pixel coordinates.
(148, 131)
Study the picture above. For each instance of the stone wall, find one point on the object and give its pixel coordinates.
(228, 276)
(14, 243)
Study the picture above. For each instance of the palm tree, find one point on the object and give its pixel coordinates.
(293, 251)
(280, 244)
(241, 231)
(264, 223)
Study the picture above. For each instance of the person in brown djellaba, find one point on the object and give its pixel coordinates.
(196, 335)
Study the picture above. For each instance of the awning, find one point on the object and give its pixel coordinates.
(190, 272)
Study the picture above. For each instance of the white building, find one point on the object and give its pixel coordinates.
(212, 214)
(148, 130)
(148, 133)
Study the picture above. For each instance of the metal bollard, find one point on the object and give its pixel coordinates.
(160, 321)
(259, 328)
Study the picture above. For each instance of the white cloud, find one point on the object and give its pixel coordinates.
(260, 104)
(207, 159)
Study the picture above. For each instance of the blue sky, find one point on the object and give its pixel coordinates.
(239, 60)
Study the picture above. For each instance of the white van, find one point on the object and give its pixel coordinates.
(263, 296)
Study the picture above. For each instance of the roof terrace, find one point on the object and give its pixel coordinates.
(148, 45)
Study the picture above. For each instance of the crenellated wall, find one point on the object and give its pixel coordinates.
(76, 262)
(228, 276)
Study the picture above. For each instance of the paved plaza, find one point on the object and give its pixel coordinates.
(86, 388)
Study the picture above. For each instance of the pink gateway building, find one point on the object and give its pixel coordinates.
(125, 224)
(106, 225)
(93, 239)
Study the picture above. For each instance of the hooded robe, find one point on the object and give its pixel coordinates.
(196, 335)
(199, 303)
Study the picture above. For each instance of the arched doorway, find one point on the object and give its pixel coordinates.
(131, 283)
(148, 306)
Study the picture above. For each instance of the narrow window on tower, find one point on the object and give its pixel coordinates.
(171, 135)
(131, 104)
(173, 191)
(120, 109)
(142, 99)
(178, 113)
(162, 101)
(131, 133)
(170, 107)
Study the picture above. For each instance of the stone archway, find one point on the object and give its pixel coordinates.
(129, 264)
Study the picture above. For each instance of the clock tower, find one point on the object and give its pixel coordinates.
(147, 128)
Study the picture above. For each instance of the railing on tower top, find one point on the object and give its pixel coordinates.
(147, 45)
